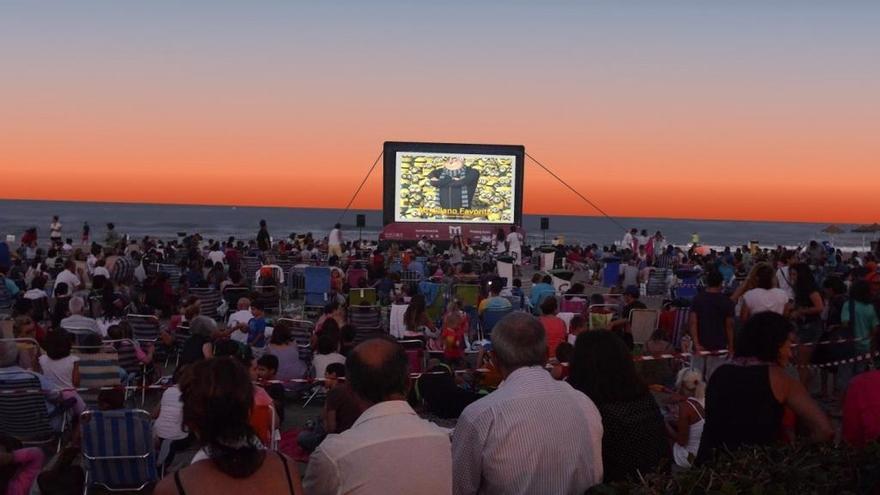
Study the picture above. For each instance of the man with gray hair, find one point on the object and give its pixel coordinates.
(532, 435)
(76, 320)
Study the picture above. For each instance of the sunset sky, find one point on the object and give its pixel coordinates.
(695, 109)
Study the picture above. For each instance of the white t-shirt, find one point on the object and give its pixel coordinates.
(55, 230)
(58, 371)
(169, 424)
(783, 277)
(240, 316)
(90, 263)
(320, 362)
(68, 278)
(35, 294)
(759, 300)
(514, 242)
(216, 256)
(101, 271)
(335, 237)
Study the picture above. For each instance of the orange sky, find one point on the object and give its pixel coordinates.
(770, 119)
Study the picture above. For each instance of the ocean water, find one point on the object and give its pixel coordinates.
(219, 222)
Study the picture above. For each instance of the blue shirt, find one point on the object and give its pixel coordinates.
(257, 332)
(539, 292)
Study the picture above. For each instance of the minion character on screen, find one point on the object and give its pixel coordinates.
(456, 183)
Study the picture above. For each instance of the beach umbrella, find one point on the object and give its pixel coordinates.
(833, 230)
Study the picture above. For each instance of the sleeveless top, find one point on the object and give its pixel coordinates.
(181, 491)
(695, 432)
(741, 410)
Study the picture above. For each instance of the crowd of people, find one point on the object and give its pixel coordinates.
(535, 384)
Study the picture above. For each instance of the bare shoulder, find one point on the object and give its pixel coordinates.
(781, 383)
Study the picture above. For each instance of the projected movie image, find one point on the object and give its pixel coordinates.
(443, 187)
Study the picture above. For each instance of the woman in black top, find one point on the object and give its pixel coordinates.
(807, 315)
(634, 438)
(200, 344)
(746, 398)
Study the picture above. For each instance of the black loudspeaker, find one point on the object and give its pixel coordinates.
(361, 221)
(545, 223)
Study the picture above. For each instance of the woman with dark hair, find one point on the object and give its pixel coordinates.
(284, 347)
(417, 323)
(745, 399)
(764, 295)
(218, 396)
(807, 316)
(498, 242)
(634, 438)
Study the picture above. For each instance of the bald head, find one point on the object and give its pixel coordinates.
(377, 370)
(518, 340)
(244, 303)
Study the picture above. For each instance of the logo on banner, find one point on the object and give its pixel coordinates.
(454, 230)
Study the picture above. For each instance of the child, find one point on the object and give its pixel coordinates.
(564, 353)
(168, 424)
(576, 326)
(453, 335)
(328, 352)
(257, 326)
(341, 409)
(61, 368)
(267, 368)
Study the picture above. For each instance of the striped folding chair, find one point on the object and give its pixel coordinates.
(301, 331)
(23, 412)
(366, 320)
(643, 322)
(144, 328)
(362, 297)
(96, 370)
(269, 295)
(117, 449)
(210, 300)
(79, 334)
(173, 272)
(354, 276)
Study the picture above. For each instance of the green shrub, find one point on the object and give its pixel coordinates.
(800, 469)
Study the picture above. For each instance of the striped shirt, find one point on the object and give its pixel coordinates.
(532, 435)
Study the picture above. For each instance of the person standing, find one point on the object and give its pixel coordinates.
(710, 323)
(388, 429)
(520, 439)
(514, 246)
(334, 241)
(55, 232)
(264, 241)
(86, 230)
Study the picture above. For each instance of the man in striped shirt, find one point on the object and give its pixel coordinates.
(534, 434)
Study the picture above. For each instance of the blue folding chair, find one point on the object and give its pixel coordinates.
(117, 449)
(317, 287)
(490, 318)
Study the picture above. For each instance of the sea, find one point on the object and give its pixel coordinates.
(219, 222)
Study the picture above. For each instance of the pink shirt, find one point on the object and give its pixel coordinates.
(30, 462)
(861, 409)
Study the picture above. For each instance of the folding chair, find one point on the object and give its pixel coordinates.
(657, 285)
(231, 295)
(250, 267)
(23, 412)
(144, 328)
(181, 335)
(317, 287)
(173, 272)
(490, 318)
(573, 303)
(269, 295)
(301, 331)
(435, 299)
(210, 300)
(277, 273)
(97, 370)
(297, 279)
(117, 449)
(415, 354)
(354, 276)
(468, 294)
(79, 334)
(599, 316)
(366, 320)
(680, 327)
(643, 322)
(362, 297)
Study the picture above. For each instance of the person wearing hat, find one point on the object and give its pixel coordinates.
(621, 326)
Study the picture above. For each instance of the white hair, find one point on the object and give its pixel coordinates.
(690, 382)
(76, 305)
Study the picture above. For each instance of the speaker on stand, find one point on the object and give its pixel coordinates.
(361, 221)
(545, 226)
